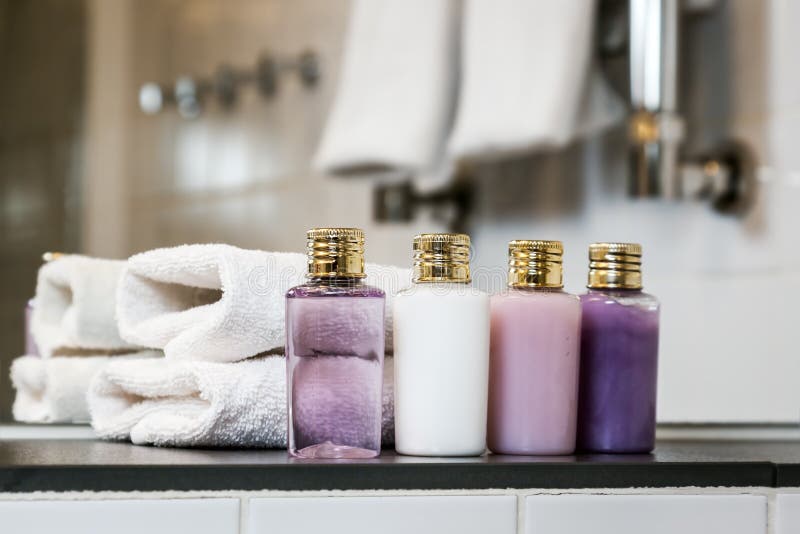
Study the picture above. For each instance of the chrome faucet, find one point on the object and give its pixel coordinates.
(656, 129)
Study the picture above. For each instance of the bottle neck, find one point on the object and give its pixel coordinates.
(334, 281)
(433, 283)
(536, 289)
(615, 290)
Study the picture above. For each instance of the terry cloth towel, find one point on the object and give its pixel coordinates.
(528, 82)
(202, 404)
(53, 390)
(74, 306)
(396, 94)
(218, 302)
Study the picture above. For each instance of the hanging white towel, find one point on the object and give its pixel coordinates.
(202, 404)
(218, 302)
(528, 82)
(396, 93)
(600, 106)
(53, 390)
(74, 306)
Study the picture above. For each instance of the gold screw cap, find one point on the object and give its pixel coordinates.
(441, 258)
(615, 266)
(335, 252)
(535, 263)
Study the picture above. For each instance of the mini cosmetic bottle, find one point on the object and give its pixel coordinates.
(535, 351)
(334, 351)
(441, 350)
(619, 354)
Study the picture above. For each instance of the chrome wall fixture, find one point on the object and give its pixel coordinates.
(189, 94)
(725, 176)
(656, 128)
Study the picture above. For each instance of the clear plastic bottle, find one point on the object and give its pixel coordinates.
(535, 351)
(441, 349)
(619, 354)
(335, 352)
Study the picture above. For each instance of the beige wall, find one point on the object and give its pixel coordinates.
(110, 92)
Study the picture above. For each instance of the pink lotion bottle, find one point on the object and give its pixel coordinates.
(535, 354)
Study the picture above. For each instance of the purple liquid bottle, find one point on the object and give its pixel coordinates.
(619, 354)
(334, 352)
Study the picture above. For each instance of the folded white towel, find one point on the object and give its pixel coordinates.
(218, 302)
(396, 93)
(525, 78)
(74, 306)
(53, 390)
(201, 404)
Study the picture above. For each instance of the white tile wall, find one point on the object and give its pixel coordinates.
(651, 514)
(384, 515)
(418, 514)
(195, 516)
(787, 514)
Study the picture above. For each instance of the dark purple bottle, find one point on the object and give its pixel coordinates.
(334, 352)
(619, 354)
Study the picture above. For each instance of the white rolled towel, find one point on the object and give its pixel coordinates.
(74, 306)
(53, 390)
(201, 404)
(218, 302)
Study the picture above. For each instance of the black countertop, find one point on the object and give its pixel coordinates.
(28, 465)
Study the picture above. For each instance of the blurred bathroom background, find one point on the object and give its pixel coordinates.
(84, 169)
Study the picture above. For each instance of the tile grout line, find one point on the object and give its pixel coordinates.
(521, 492)
(244, 508)
(772, 501)
(521, 513)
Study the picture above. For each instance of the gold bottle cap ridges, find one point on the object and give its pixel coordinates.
(441, 258)
(615, 266)
(335, 252)
(535, 263)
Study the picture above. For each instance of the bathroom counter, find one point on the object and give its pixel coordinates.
(29, 465)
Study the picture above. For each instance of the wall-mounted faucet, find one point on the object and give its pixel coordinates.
(726, 175)
(656, 130)
(400, 202)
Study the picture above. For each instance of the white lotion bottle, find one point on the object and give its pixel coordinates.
(441, 348)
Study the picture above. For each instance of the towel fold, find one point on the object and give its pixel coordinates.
(218, 302)
(74, 307)
(527, 78)
(53, 390)
(396, 93)
(201, 404)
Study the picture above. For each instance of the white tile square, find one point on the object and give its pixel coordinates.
(384, 515)
(787, 514)
(651, 514)
(174, 516)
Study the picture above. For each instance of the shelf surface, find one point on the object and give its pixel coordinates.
(28, 465)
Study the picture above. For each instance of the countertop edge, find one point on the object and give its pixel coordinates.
(24, 479)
